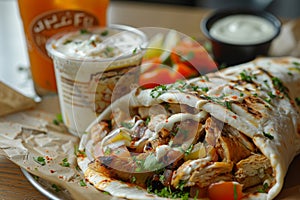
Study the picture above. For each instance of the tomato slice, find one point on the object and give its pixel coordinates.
(159, 76)
(187, 59)
(185, 70)
(194, 55)
(225, 191)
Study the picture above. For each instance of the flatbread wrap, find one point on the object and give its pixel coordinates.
(234, 131)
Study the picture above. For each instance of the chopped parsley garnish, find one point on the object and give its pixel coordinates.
(158, 90)
(246, 77)
(109, 49)
(264, 188)
(235, 194)
(268, 135)
(189, 150)
(55, 187)
(55, 122)
(127, 125)
(268, 100)
(84, 31)
(296, 63)
(205, 89)
(181, 184)
(67, 42)
(169, 193)
(93, 43)
(271, 95)
(78, 152)
(166, 106)
(266, 84)
(134, 51)
(180, 85)
(147, 120)
(162, 178)
(195, 87)
(296, 66)
(297, 99)
(40, 160)
(36, 177)
(228, 105)
(222, 66)
(82, 183)
(104, 33)
(279, 86)
(138, 169)
(290, 73)
(78, 168)
(196, 195)
(58, 119)
(133, 179)
(219, 101)
(107, 151)
(241, 94)
(206, 78)
(65, 163)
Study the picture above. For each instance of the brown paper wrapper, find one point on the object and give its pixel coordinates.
(12, 101)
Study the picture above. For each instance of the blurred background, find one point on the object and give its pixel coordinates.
(181, 15)
(284, 8)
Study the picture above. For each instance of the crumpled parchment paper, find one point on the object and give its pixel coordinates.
(32, 141)
(12, 101)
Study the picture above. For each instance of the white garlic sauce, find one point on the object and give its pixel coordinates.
(97, 43)
(242, 29)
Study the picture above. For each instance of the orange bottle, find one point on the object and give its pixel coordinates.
(42, 19)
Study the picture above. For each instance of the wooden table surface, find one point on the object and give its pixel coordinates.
(14, 185)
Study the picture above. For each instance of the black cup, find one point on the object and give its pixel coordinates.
(232, 54)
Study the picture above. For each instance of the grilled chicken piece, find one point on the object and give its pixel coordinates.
(213, 128)
(119, 169)
(188, 131)
(202, 173)
(183, 173)
(253, 170)
(226, 141)
(243, 139)
(217, 171)
(231, 149)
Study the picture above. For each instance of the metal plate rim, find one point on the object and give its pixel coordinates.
(38, 186)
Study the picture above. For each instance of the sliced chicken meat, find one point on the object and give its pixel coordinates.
(253, 170)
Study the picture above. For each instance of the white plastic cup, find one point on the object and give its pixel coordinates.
(87, 85)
